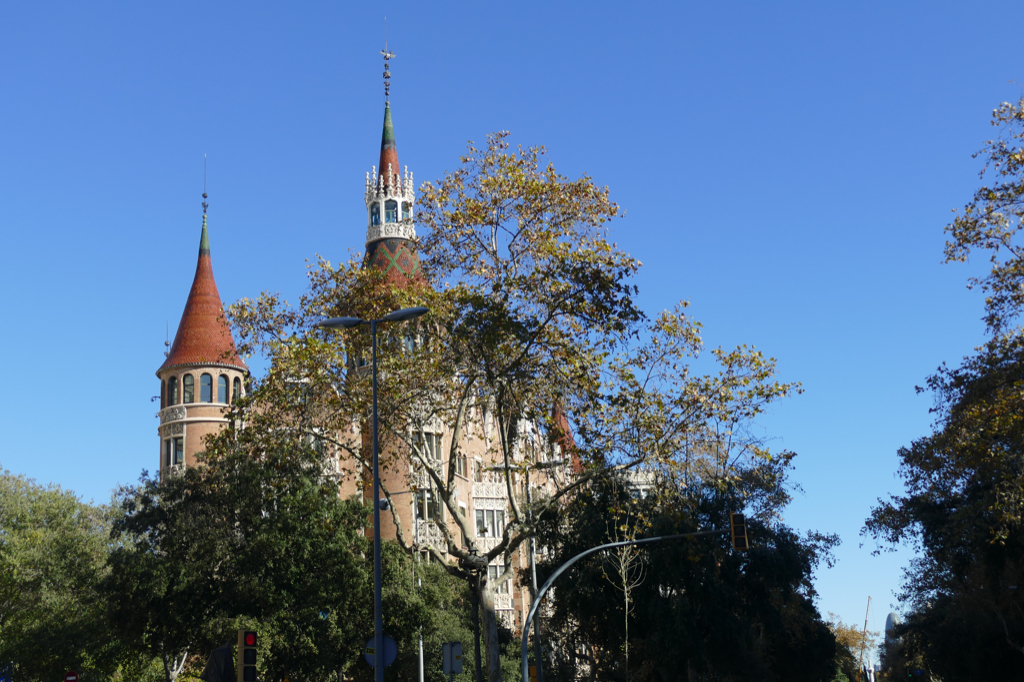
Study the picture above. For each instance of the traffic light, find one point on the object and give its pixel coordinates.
(247, 656)
(738, 526)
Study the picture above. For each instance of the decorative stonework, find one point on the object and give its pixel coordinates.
(174, 470)
(503, 602)
(506, 617)
(173, 413)
(400, 230)
(173, 429)
(431, 535)
(485, 545)
(490, 490)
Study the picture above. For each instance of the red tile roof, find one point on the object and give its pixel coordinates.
(203, 335)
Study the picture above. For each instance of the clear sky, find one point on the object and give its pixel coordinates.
(787, 167)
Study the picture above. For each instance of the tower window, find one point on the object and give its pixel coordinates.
(172, 391)
(188, 389)
(174, 451)
(375, 214)
(206, 389)
(163, 394)
(237, 392)
(391, 211)
(222, 389)
(406, 210)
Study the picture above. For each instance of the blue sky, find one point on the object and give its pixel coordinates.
(787, 168)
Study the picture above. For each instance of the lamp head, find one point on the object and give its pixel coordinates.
(340, 322)
(404, 314)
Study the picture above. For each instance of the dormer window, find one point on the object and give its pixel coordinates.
(375, 214)
(188, 388)
(391, 211)
(406, 210)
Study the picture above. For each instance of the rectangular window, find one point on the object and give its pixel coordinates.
(428, 505)
(460, 465)
(167, 452)
(489, 523)
(429, 445)
(478, 471)
(493, 573)
(178, 450)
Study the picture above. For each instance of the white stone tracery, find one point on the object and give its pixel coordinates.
(381, 188)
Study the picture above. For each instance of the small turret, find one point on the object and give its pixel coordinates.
(202, 374)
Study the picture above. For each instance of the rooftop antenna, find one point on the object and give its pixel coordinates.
(167, 339)
(205, 195)
(387, 56)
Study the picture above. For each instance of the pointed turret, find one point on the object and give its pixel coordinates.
(390, 232)
(203, 335)
(202, 374)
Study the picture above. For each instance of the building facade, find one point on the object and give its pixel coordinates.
(203, 374)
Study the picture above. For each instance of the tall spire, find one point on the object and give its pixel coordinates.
(390, 232)
(203, 335)
(389, 169)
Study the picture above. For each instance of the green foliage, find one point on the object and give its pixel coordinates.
(992, 221)
(52, 553)
(261, 541)
(963, 505)
(702, 609)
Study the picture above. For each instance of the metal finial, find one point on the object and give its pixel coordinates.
(206, 205)
(387, 55)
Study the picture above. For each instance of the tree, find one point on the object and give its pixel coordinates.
(964, 483)
(243, 541)
(850, 642)
(532, 326)
(704, 612)
(52, 553)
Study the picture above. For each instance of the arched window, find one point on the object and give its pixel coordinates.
(391, 211)
(172, 391)
(406, 210)
(375, 214)
(188, 389)
(206, 389)
(237, 392)
(163, 394)
(222, 389)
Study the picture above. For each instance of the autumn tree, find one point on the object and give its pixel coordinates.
(963, 504)
(532, 327)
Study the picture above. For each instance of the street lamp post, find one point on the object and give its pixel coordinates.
(378, 618)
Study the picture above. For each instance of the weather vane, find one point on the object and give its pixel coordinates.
(387, 73)
(205, 195)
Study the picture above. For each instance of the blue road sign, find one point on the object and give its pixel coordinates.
(390, 651)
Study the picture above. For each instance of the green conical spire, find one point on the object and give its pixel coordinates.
(387, 138)
(388, 148)
(204, 241)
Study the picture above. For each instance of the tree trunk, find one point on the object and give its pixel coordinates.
(489, 621)
(173, 663)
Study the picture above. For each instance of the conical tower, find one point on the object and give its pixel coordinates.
(202, 374)
(390, 198)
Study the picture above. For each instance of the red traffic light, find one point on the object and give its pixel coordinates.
(250, 639)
